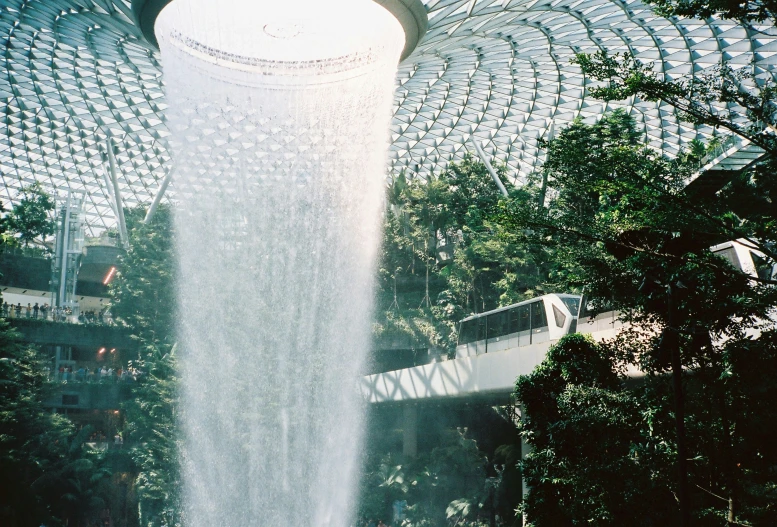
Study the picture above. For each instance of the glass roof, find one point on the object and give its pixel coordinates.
(77, 72)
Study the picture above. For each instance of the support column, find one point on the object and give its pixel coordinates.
(64, 255)
(57, 360)
(484, 159)
(410, 431)
(117, 195)
(159, 195)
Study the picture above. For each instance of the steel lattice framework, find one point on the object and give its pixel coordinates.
(77, 73)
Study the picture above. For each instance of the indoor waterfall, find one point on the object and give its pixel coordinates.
(279, 121)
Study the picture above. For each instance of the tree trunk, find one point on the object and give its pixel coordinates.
(427, 300)
(728, 458)
(679, 412)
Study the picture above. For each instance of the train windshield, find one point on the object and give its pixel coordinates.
(572, 303)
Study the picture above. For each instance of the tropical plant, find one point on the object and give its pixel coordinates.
(32, 217)
(446, 486)
(143, 300)
(635, 239)
(593, 461)
(33, 440)
(443, 258)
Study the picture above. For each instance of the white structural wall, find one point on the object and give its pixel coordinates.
(487, 374)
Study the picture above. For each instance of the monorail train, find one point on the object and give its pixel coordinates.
(550, 317)
(749, 261)
(543, 319)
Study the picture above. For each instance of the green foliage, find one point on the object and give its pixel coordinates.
(31, 217)
(629, 233)
(628, 229)
(743, 11)
(593, 462)
(152, 431)
(143, 299)
(444, 258)
(710, 309)
(603, 453)
(719, 97)
(143, 296)
(37, 447)
(79, 488)
(446, 486)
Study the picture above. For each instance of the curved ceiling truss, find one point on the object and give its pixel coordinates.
(77, 74)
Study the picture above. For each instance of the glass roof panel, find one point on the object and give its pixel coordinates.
(76, 73)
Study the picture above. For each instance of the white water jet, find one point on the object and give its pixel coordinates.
(279, 117)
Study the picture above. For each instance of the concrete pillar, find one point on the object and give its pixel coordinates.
(57, 359)
(410, 431)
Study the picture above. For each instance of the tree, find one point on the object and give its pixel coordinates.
(143, 296)
(143, 299)
(31, 217)
(742, 102)
(446, 486)
(78, 488)
(33, 440)
(744, 11)
(592, 461)
(443, 258)
(737, 100)
(636, 241)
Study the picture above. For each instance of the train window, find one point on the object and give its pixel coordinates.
(729, 254)
(519, 319)
(539, 320)
(481, 328)
(572, 303)
(498, 324)
(469, 332)
(559, 316)
(763, 267)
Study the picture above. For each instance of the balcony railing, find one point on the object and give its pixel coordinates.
(58, 316)
(93, 377)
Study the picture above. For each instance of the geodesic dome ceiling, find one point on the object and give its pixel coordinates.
(78, 73)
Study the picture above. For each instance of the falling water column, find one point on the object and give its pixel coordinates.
(279, 132)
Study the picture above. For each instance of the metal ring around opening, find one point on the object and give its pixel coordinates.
(411, 14)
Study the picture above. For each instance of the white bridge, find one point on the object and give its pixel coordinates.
(496, 347)
(489, 373)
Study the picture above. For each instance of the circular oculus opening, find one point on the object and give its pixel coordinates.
(247, 30)
(411, 14)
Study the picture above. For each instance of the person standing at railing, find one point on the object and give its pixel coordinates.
(18, 310)
(35, 310)
(28, 310)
